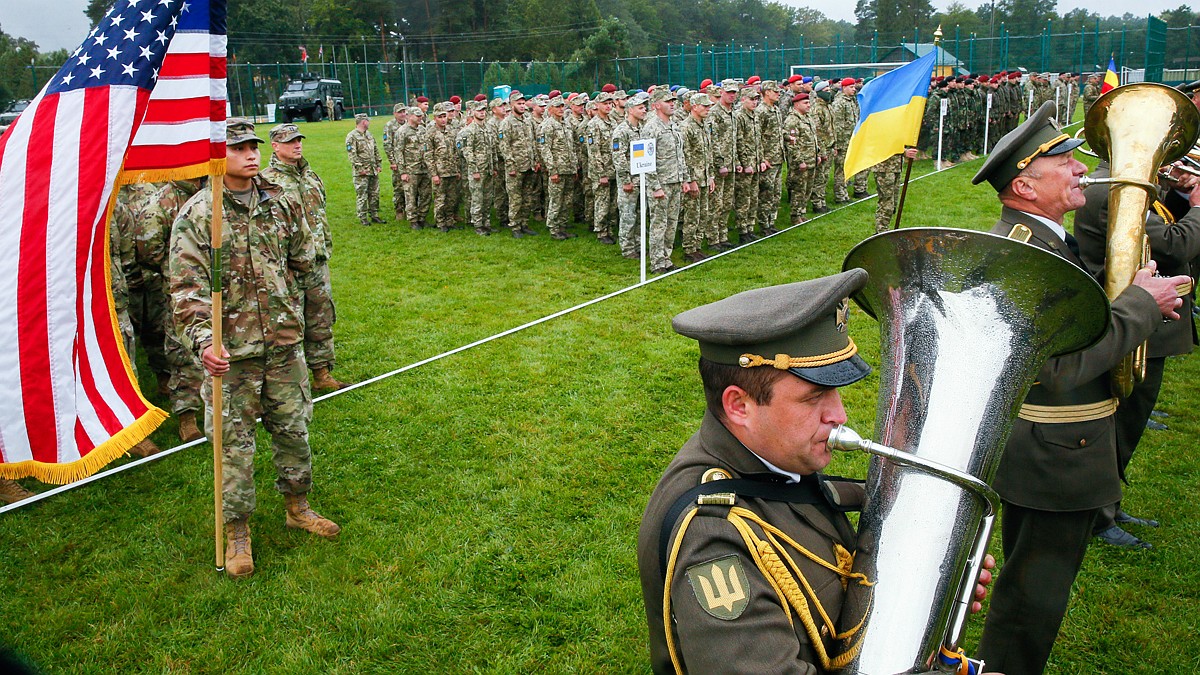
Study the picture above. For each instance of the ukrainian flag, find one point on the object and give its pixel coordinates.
(639, 149)
(890, 110)
(1111, 81)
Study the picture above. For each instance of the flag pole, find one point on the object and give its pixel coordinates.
(908, 162)
(218, 406)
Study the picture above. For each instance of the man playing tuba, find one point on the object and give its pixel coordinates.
(1059, 467)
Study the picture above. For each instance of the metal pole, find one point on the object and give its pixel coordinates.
(218, 403)
(642, 204)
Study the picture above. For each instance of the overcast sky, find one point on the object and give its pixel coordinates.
(55, 24)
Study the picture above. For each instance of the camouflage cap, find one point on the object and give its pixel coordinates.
(639, 98)
(415, 110)
(799, 327)
(621, 95)
(476, 106)
(285, 133)
(751, 92)
(240, 130)
(398, 108)
(540, 100)
(1038, 136)
(700, 99)
(663, 94)
(497, 102)
(443, 108)
(604, 97)
(770, 85)
(556, 102)
(730, 85)
(514, 95)
(360, 116)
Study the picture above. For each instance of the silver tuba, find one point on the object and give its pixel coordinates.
(967, 320)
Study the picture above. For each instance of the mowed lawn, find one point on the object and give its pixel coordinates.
(490, 500)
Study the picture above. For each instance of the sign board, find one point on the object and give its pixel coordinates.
(641, 156)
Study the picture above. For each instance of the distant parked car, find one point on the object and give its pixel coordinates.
(9, 116)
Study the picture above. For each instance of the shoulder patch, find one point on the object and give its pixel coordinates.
(500, 135)
(349, 146)
(541, 139)
(616, 145)
(720, 586)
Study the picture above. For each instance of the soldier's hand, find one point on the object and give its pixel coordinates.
(628, 187)
(910, 153)
(393, 167)
(554, 178)
(1193, 196)
(747, 170)
(437, 180)
(659, 194)
(404, 177)
(724, 171)
(1163, 289)
(985, 578)
(476, 175)
(512, 173)
(604, 180)
(764, 166)
(215, 365)
(712, 185)
(803, 166)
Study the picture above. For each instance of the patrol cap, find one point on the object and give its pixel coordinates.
(240, 130)
(496, 102)
(770, 85)
(751, 92)
(360, 116)
(798, 327)
(700, 99)
(1038, 136)
(663, 94)
(285, 133)
(639, 98)
(514, 95)
(539, 100)
(443, 107)
(604, 97)
(414, 110)
(555, 102)
(399, 107)
(729, 85)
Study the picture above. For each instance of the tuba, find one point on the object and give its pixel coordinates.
(967, 320)
(1137, 128)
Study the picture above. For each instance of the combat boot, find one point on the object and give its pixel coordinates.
(12, 492)
(239, 558)
(301, 516)
(144, 449)
(322, 380)
(188, 430)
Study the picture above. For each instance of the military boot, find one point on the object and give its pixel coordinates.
(301, 516)
(12, 492)
(323, 380)
(239, 558)
(188, 430)
(144, 449)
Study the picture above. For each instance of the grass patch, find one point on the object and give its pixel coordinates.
(490, 500)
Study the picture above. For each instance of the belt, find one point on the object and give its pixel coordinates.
(1064, 414)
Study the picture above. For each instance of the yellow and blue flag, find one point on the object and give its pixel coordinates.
(890, 110)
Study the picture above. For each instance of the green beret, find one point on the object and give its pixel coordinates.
(798, 327)
(1038, 136)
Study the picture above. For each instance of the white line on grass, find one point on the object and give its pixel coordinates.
(165, 453)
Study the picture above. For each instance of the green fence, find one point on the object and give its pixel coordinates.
(375, 86)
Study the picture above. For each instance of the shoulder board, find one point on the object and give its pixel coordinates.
(1021, 233)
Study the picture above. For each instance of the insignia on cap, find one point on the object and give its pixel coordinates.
(843, 315)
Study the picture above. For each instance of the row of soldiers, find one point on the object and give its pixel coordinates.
(565, 157)
(970, 123)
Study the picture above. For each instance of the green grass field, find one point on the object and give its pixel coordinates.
(490, 500)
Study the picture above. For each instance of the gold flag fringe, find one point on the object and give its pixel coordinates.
(213, 167)
(61, 474)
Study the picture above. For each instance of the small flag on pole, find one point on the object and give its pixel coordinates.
(891, 107)
(1111, 81)
(303, 54)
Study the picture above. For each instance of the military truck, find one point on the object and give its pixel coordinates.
(313, 98)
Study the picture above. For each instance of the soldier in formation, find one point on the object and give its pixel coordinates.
(365, 163)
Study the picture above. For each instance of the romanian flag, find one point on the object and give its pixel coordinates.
(1111, 81)
(891, 107)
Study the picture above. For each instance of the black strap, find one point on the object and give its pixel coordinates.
(808, 491)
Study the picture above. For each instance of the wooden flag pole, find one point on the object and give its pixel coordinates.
(908, 162)
(218, 403)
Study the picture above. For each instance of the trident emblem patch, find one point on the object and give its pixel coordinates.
(720, 587)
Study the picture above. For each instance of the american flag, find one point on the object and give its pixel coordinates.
(70, 403)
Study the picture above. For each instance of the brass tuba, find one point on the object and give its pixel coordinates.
(1137, 128)
(967, 319)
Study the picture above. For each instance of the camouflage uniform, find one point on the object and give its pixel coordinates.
(698, 152)
(887, 179)
(149, 309)
(800, 138)
(822, 115)
(121, 258)
(671, 171)
(478, 153)
(600, 166)
(268, 264)
(629, 233)
(158, 218)
(499, 193)
(584, 197)
(724, 138)
(770, 181)
(410, 142)
(1091, 92)
(391, 148)
(845, 116)
(304, 186)
(365, 163)
(442, 158)
(749, 157)
(517, 148)
(555, 146)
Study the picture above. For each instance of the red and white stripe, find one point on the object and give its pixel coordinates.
(60, 399)
(185, 121)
